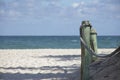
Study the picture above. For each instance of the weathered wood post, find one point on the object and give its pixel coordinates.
(93, 41)
(86, 58)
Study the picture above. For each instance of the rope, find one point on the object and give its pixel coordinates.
(97, 55)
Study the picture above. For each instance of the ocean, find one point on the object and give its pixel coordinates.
(53, 42)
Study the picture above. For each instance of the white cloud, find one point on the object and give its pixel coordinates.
(53, 8)
(13, 13)
(96, 8)
(75, 5)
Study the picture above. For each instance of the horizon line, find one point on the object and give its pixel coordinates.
(55, 35)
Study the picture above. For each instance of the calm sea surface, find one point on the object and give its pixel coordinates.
(54, 42)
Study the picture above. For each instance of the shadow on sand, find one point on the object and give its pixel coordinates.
(62, 57)
(65, 75)
(49, 76)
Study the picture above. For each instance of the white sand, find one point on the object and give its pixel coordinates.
(40, 64)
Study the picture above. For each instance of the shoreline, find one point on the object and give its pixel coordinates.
(62, 51)
(55, 49)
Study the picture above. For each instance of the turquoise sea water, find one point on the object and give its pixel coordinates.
(54, 42)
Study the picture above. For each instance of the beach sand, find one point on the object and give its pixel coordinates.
(41, 64)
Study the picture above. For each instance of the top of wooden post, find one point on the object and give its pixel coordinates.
(93, 31)
(86, 23)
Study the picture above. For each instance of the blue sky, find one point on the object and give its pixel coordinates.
(58, 17)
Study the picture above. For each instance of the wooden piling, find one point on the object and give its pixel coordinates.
(93, 41)
(86, 58)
